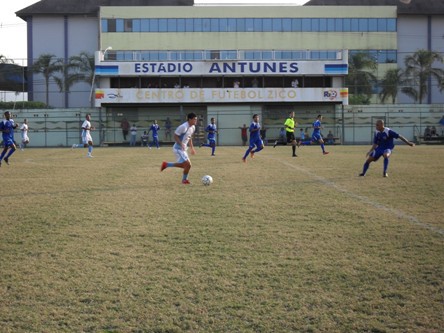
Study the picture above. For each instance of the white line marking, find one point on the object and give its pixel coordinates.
(396, 212)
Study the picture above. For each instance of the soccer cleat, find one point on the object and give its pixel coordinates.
(213, 154)
(6, 160)
(361, 174)
(163, 166)
(252, 154)
(386, 174)
(89, 156)
(244, 160)
(294, 155)
(73, 146)
(325, 152)
(275, 144)
(186, 182)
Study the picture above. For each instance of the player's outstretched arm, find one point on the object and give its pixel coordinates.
(411, 144)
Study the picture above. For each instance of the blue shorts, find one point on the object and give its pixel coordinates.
(377, 153)
(257, 143)
(8, 142)
(316, 137)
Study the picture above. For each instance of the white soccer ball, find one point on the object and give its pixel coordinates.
(207, 180)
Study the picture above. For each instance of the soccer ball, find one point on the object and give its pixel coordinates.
(207, 180)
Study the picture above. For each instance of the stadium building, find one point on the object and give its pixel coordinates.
(159, 59)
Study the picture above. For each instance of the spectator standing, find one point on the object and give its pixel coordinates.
(133, 132)
(124, 125)
(244, 134)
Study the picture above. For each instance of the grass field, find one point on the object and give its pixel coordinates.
(278, 244)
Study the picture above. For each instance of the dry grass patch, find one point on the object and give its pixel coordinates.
(279, 244)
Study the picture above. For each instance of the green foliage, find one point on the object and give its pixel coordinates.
(359, 100)
(22, 105)
(419, 68)
(360, 78)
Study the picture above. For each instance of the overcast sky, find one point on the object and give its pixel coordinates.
(13, 29)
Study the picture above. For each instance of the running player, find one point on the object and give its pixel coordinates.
(7, 127)
(211, 129)
(317, 136)
(255, 139)
(183, 137)
(86, 136)
(383, 145)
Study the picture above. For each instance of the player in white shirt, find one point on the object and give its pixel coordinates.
(24, 130)
(86, 136)
(183, 138)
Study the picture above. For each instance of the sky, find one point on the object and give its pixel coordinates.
(13, 28)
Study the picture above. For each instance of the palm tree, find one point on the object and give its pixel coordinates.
(48, 65)
(360, 78)
(419, 71)
(4, 60)
(390, 83)
(78, 69)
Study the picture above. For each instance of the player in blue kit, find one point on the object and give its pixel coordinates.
(382, 146)
(316, 135)
(255, 139)
(7, 127)
(155, 129)
(211, 129)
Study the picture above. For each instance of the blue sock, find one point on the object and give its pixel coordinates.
(304, 143)
(11, 151)
(247, 152)
(213, 149)
(386, 164)
(90, 149)
(366, 165)
(2, 155)
(184, 176)
(170, 164)
(323, 148)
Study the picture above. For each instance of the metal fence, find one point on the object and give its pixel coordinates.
(351, 124)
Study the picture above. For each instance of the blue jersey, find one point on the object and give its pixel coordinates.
(8, 136)
(256, 135)
(385, 139)
(211, 129)
(317, 127)
(155, 129)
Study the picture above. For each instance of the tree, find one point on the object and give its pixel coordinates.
(390, 83)
(4, 60)
(419, 70)
(79, 68)
(48, 65)
(360, 78)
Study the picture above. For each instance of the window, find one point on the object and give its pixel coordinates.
(257, 24)
(286, 24)
(128, 25)
(206, 25)
(171, 25)
(145, 25)
(240, 25)
(306, 25)
(154, 25)
(315, 25)
(119, 25)
(104, 25)
(163, 25)
(391, 25)
(267, 25)
(198, 25)
(249, 24)
(180, 25)
(363, 25)
(277, 24)
(296, 25)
